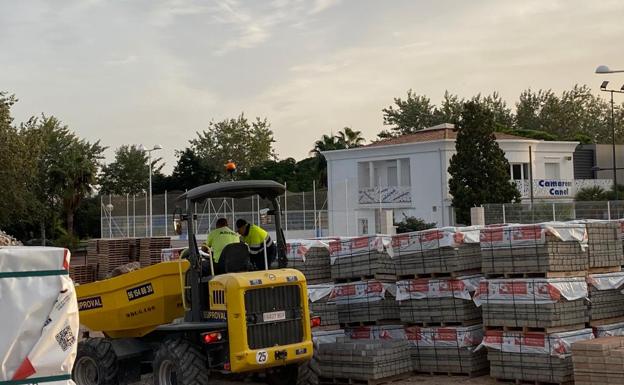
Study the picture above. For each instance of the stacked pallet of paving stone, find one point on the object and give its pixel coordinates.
(609, 330)
(599, 361)
(439, 301)
(322, 304)
(604, 245)
(361, 258)
(534, 357)
(447, 349)
(444, 250)
(533, 299)
(82, 274)
(548, 304)
(606, 298)
(311, 257)
(545, 248)
(150, 249)
(366, 302)
(113, 252)
(348, 361)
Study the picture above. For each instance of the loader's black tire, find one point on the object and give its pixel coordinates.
(96, 363)
(179, 362)
(309, 372)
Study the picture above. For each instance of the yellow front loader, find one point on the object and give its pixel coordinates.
(188, 326)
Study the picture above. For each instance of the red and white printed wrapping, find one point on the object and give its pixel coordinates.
(383, 332)
(433, 239)
(607, 281)
(612, 330)
(453, 337)
(318, 292)
(40, 314)
(421, 288)
(296, 249)
(493, 237)
(555, 344)
(172, 254)
(530, 290)
(362, 292)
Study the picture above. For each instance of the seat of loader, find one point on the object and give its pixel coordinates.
(234, 258)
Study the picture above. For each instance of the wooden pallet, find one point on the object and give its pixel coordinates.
(370, 323)
(479, 373)
(606, 321)
(546, 330)
(603, 270)
(549, 274)
(528, 382)
(445, 324)
(352, 381)
(454, 274)
(368, 277)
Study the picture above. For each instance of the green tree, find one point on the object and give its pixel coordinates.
(408, 115)
(594, 193)
(192, 170)
(66, 167)
(129, 172)
(479, 170)
(409, 224)
(346, 138)
(246, 143)
(16, 172)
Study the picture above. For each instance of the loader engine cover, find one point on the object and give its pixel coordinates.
(267, 316)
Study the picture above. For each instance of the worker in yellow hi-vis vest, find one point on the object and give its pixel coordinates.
(256, 238)
(217, 239)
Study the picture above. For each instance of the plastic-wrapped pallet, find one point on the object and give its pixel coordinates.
(599, 361)
(322, 305)
(610, 330)
(366, 301)
(447, 349)
(40, 315)
(536, 357)
(311, 257)
(539, 248)
(376, 332)
(444, 250)
(362, 257)
(533, 302)
(605, 296)
(438, 300)
(364, 359)
(327, 336)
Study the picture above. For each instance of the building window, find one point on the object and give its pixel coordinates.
(519, 171)
(551, 170)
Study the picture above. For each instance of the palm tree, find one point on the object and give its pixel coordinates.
(350, 138)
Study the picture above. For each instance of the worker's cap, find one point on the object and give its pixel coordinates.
(240, 223)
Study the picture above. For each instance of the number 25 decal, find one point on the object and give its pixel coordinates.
(262, 357)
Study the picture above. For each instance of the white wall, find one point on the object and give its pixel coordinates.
(429, 163)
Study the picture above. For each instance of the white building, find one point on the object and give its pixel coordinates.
(372, 186)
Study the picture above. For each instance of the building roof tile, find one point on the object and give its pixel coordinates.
(433, 134)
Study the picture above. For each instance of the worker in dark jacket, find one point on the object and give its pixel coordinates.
(258, 241)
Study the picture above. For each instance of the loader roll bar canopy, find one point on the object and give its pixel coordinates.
(266, 189)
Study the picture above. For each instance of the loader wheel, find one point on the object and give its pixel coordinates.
(96, 363)
(179, 362)
(309, 372)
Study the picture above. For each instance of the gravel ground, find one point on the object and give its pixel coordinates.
(419, 379)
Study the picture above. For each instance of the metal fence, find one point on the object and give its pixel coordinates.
(303, 214)
(552, 211)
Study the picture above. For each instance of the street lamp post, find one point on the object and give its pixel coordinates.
(603, 87)
(149, 161)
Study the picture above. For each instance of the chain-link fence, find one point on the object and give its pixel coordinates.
(552, 211)
(303, 214)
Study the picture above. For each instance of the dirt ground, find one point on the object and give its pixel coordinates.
(414, 380)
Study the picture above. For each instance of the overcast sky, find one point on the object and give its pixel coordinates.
(157, 71)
